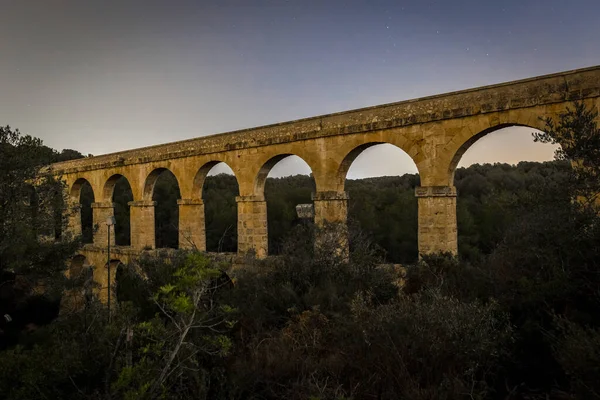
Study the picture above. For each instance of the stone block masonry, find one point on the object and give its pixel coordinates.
(142, 224)
(434, 131)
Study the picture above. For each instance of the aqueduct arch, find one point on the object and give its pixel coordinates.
(76, 187)
(255, 224)
(434, 131)
(403, 164)
(220, 209)
(118, 193)
(77, 214)
(192, 213)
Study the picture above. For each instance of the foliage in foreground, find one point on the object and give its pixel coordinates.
(313, 324)
(290, 328)
(31, 208)
(31, 218)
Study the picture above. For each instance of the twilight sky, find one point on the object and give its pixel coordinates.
(104, 76)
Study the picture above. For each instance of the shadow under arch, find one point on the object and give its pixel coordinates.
(152, 179)
(82, 193)
(382, 202)
(102, 276)
(162, 186)
(117, 190)
(32, 202)
(282, 194)
(218, 193)
(75, 191)
(77, 266)
(81, 275)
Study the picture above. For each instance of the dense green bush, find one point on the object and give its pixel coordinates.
(315, 325)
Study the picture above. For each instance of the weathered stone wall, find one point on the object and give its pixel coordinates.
(101, 212)
(252, 225)
(331, 213)
(74, 227)
(434, 131)
(142, 224)
(437, 229)
(330, 207)
(191, 225)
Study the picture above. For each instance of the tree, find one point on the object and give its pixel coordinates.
(31, 218)
(578, 135)
(174, 347)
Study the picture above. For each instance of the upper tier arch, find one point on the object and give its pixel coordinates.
(477, 128)
(109, 186)
(346, 163)
(200, 178)
(151, 180)
(267, 166)
(75, 191)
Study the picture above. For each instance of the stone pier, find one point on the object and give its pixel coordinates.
(252, 225)
(437, 219)
(142, 224)
(191, 224)
(331, 214)
(74, 220)
(101, 212)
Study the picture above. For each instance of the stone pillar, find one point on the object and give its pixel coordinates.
(141, 214)
(437, 219)
(331, 214)
(330, 207)
(100, 277)
(192, 233)
(74, 220)
(101, 212)
(252, 225)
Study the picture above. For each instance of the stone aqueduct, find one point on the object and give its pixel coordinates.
(434, 131)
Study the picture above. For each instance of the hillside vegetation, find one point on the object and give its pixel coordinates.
(490, 198)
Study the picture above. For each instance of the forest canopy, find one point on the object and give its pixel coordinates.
(385, 208)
